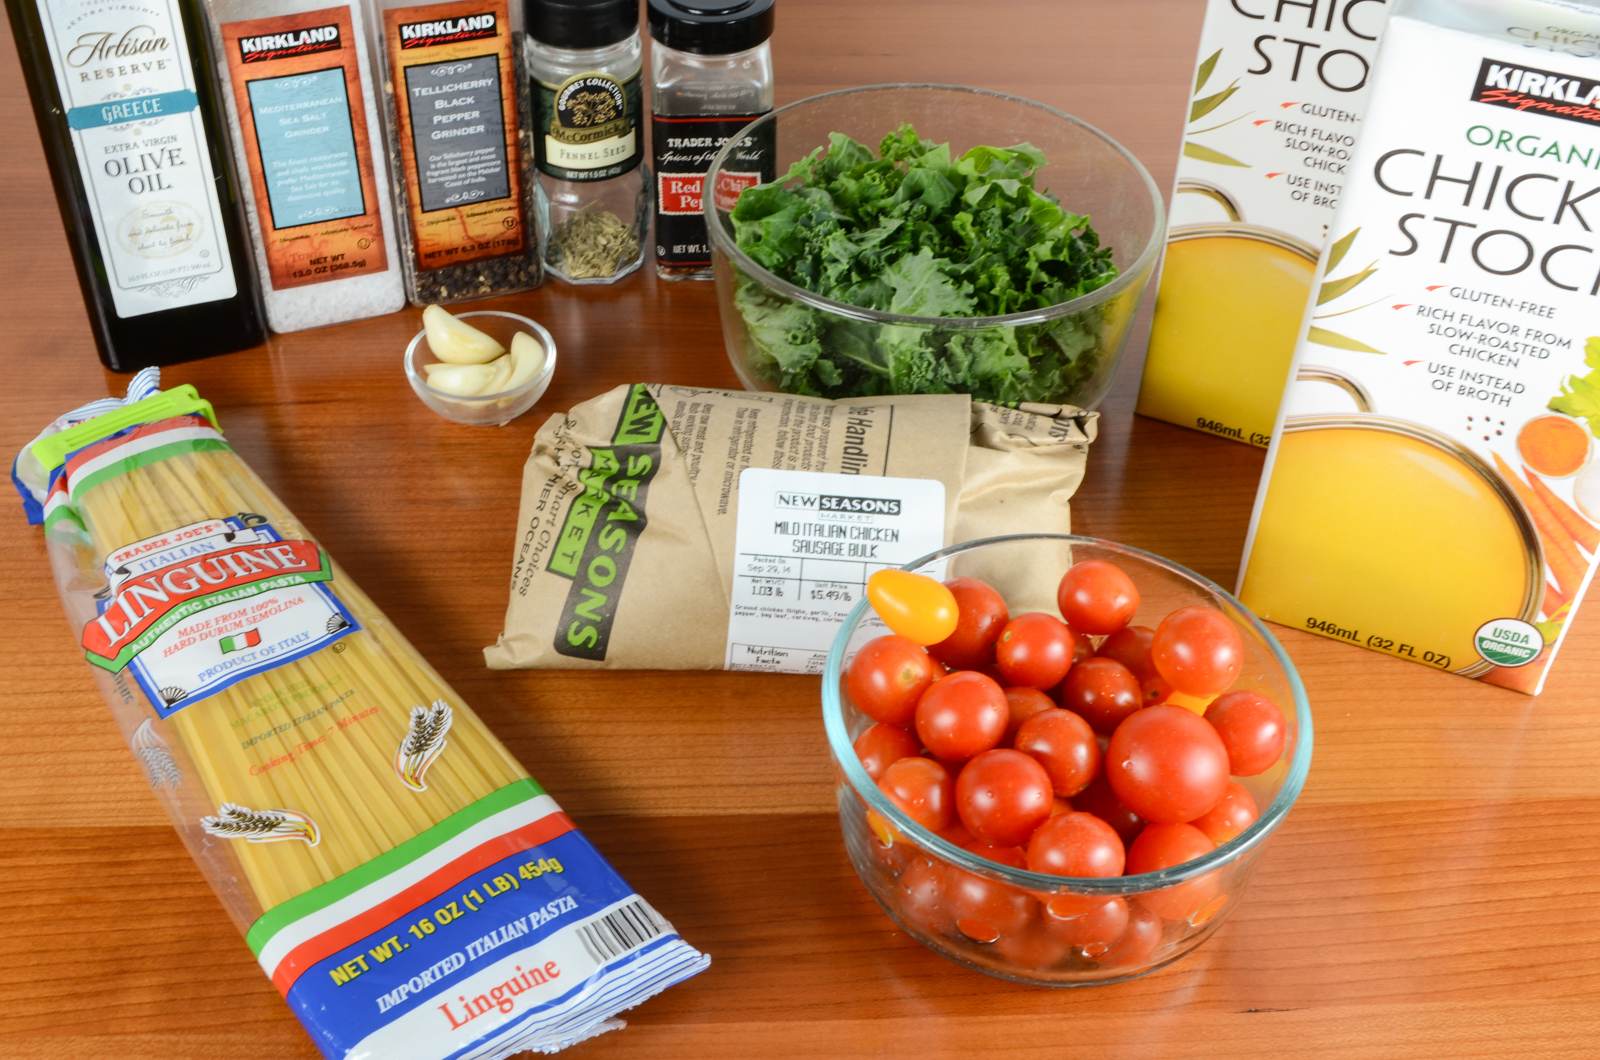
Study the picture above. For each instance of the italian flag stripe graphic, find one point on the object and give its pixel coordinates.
(295, 935)
(240, 641)
(121, 453)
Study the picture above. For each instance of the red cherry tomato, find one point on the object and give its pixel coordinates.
(919, 896)
(1094, 930)
(887, 677)
(1161, 846)
(1097, 597)
(1064, 744)
(961, 715)
(881, 744)
(1082, 648)
(1156, 690)
(1024, 704)
(1034, 948)
(1103, 692)
(1137, 944)
(985, 910)
(1252, 729)
(1229, 817)
(1002, 796)
(980, 616)
(1167, 764)
(1035, 650)
(1130, 646)
(1075, 844)
(1198, 650)
(1100, 800)
(957, 833)
(1011, 856)
(1060, 806)
(922, 790)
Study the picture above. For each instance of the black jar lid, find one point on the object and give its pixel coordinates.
(579, 24)
(711, 27)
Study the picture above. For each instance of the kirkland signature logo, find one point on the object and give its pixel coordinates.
(448, 30)
(269, 46)
(1536, 91)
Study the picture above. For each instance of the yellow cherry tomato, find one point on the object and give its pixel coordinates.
(915, 606)
(879, 826)
(1198, 704)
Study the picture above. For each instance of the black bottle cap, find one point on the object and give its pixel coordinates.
(580, 24)
(711, 27)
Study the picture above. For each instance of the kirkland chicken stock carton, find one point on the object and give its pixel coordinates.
(679, 528)
(1272, 124)
(1433, 489)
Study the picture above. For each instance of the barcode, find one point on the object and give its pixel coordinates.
(622, 930)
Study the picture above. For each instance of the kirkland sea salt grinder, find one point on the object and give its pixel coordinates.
(584, 59)
(711, 73)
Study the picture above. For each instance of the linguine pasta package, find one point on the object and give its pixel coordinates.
(404, 883)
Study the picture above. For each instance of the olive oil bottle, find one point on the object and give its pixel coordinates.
(131, 123)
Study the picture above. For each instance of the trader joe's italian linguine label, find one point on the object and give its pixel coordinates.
(201, 607)
(195, 609)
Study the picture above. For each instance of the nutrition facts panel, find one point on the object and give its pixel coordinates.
(807, 543)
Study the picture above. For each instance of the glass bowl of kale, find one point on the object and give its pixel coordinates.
(929, 239)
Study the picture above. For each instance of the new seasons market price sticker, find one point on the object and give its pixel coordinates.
(806, 543)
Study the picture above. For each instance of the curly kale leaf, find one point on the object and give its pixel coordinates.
(913, 230)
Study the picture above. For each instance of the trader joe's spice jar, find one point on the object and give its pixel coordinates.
(711, 75)
(1429, 493)
(1272, 123)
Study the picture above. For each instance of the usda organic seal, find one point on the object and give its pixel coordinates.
(1508, 642)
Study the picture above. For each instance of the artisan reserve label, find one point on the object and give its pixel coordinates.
(128, 89)
(455, 105)
(684, 148)
(589, 127)
(303, 128)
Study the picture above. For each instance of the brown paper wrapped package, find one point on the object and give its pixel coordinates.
(626, 529)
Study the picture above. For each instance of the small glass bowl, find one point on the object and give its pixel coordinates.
(1007, 921)
(483, 409)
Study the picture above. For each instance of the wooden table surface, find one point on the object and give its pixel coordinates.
(1434, 892)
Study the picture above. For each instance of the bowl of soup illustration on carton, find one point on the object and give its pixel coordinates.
(1232, 298)
(1274, 114)
(1353, 488)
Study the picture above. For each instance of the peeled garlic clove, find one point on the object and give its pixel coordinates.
(455, 341)
(462, 380)
(527, 360)
(501, 380)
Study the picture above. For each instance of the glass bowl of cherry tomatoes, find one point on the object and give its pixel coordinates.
(1059, 758)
